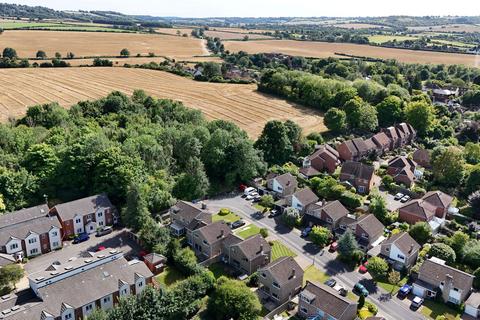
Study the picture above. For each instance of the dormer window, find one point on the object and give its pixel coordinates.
(78, 220)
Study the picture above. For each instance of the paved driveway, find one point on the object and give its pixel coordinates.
(391, 309)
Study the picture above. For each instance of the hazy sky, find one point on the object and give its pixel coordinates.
(268, 8)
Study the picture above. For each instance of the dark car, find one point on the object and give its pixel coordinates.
(404, 291)
(81, 238)
(256, 199)
(104, 231)
(306, 232)
(360, 289)
(330, 282)
(237, 224)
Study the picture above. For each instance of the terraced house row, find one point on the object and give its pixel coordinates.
(37, 230)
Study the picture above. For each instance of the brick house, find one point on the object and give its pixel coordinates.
(248, 255)
(84, 215)
(402, 169)
(367, 229)
(321, 300)
(353, 150)
(440, 200)
(400, 135)
(422, 157)
(29, 232)
(325, 158)
(327, 215)
(382, 142)
(283, 185)
(433, 204)
(435, 277)
(155, 262)
(280, 280)
(400, 250)
(359, 175)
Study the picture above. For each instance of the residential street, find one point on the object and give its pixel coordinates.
(391, 309)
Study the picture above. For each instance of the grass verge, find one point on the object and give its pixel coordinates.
(280, 250)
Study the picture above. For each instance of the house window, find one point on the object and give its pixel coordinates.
(100, 214)
(34, 251)
(106, 299)
(264, 275)
(329, 220)
(100, 223)
(399, 256)
(442, 283)
(55, 244)
(364, 235)
(68, 316)
(343, 227)
(303, 310)
(32, 240)
(54, 233)
(361, 189)
(14, 246)
(276, 285)
(79, 230)
(205, 242)
(274, 295)
(89, 307)
(387, 249)
(140, 284)
(123, 292)
(456, 289)
(78, 220)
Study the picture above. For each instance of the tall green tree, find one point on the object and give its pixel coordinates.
(193, 183)
(448, 166)
(347, 245)
(390, 111)
(421, 232)
(335, 120)
(421, 115)
(275, 143)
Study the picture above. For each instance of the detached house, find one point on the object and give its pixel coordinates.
(400, 250)
(359, 175)
(302, 199)
(325, 158)
(207, 241)
(328, 215)
(431, 208)
(319, 300)
(435, 277)
(280, 280)
(368, 230)
(283, 185)
(186, 217)
(29, 232)
(402, 169)
(248, 255)
(84, 215)
(353, 150)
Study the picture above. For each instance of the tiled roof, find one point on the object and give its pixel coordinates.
(401, 162)
(371, 225)
(419, 208)
(22, 230)
(358, 170)
(84, 206)
(335, 210)
(404, 242)
(283, 269)
(306, 196)
(253, 246)
(9, 219)
(438, 199)
(434, 272)
(286, 179)
(215, 231)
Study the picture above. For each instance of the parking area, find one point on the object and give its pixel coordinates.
(118, 239)
(392, 204)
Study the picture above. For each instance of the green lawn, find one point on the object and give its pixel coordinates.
(383, 283)
(218, 270)
(432, 309)
(170, 276)
(364, 313)
(231, 217)
(248, 231)
(315, 275)
(280, 250)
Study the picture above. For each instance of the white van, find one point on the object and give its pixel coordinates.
(249, 190)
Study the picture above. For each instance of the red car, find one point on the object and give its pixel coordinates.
(101, 248)
(363, 268)
(333, 247)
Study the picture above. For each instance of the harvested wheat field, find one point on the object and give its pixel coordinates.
(223, 35)
(241, 30)
(86, 44)
(358, 26)
(449, 28)
(241, 104)
(117, 62)
(174, 31)
(325, 49)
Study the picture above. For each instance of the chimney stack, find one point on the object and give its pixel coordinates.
(447, 286)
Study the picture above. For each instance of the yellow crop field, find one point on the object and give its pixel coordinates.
(326, 49)
(241, 104)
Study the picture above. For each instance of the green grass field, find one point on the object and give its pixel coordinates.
(280, 250)
(432, 309)
(248, 231)
(56, 26)
(384, 38)
(315, 275)
(169, 276)
(383, 283)
(231, 217)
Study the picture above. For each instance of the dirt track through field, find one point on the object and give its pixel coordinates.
(241, 104)
(325, 49)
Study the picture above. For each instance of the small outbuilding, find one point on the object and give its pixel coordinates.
(155, 262)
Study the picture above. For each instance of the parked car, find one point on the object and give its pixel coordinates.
(331, 282)
(363, 268)
(360, 289)
(404, 291)
(416, 303)
(341, 290)
(237, 224)
(249, 197)
(258, 215)
(249, 190)
(405, 199)
(274, 213)
(257, 199)
(333, 247)
(104, 231)
(81, 238)
(398, 196)
(101, 248)
(306, 232)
